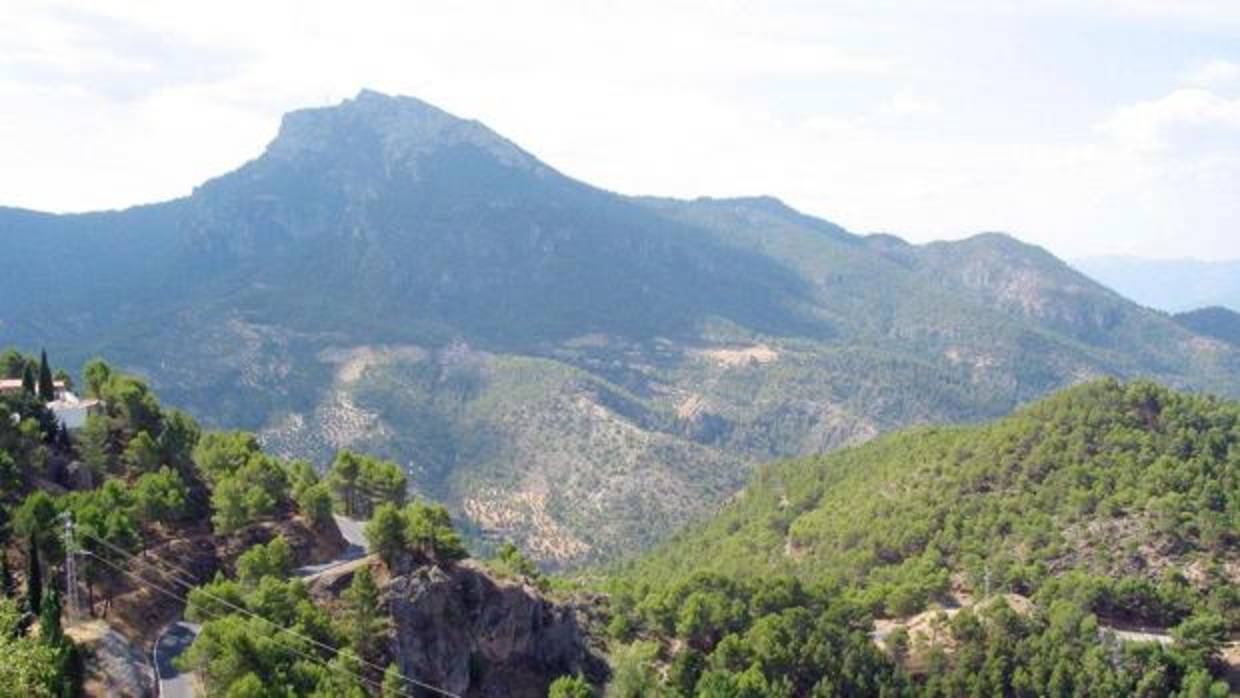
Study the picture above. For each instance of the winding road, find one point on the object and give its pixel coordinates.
(884, 627)
(178, 636)
(174, 640)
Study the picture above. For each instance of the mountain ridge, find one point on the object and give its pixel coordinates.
(523, 342)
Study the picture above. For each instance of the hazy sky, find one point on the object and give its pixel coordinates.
(1088, 126)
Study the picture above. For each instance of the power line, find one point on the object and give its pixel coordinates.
(216, 616)
(193, 585)
(143, 560)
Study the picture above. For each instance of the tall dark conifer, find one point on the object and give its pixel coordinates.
(34, 578)
(51, 632)
(47, 390)
(28, 380)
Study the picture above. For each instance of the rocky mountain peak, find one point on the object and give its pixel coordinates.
(396, 129)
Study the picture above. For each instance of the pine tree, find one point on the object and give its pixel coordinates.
(343, 478)
(365, 627)
(34, 578)
(47, 390)
(570, 687)
(393, 682)
(386, 533)
(51, 632)
(28, 382)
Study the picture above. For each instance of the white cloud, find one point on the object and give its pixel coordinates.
(1187, 118)
(1213, 73)
(837, 107)
(909, 103)
(1209, 12)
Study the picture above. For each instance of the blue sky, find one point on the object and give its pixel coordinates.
(1087, 126)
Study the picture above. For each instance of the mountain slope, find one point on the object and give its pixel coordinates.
(1085, 545)
(1120, 481)
(1216, 322)
(574, 369)
(390, 216)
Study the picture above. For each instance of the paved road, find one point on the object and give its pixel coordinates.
(1162, 637)
(177, 637)
(353, 532)
(883, 629)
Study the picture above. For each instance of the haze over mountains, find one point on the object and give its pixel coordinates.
(1174, 285)
(578, 370)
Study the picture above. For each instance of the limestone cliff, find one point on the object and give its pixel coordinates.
(463, 630)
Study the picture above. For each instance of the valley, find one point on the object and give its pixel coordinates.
(716, 419)
(392, 278)
(620, 350)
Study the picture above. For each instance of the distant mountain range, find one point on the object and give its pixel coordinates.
(1174, 285)
(579, 371)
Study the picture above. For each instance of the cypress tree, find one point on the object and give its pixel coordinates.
(28, 383)
(47, 390)
(34, 578)
(51, 632)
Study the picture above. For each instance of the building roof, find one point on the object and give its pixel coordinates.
(72, 403)
(8, 385)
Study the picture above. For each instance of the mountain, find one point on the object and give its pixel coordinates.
(1173, 285)
(1216, 322)
(578, 371)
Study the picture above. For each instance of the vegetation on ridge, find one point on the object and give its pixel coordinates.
(1123, 480)
(1104, 504)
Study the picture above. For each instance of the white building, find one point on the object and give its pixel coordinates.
(68, 407)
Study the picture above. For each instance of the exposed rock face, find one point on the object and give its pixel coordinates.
(467, 633)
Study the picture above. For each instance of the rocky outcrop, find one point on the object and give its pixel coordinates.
(459, 629)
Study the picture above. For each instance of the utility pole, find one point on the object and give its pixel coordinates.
(71, 606)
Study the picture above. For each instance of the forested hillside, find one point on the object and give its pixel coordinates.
(1123, 480)
(390, 278)
(1107, 506)
(169, 520)
(1219, 323)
